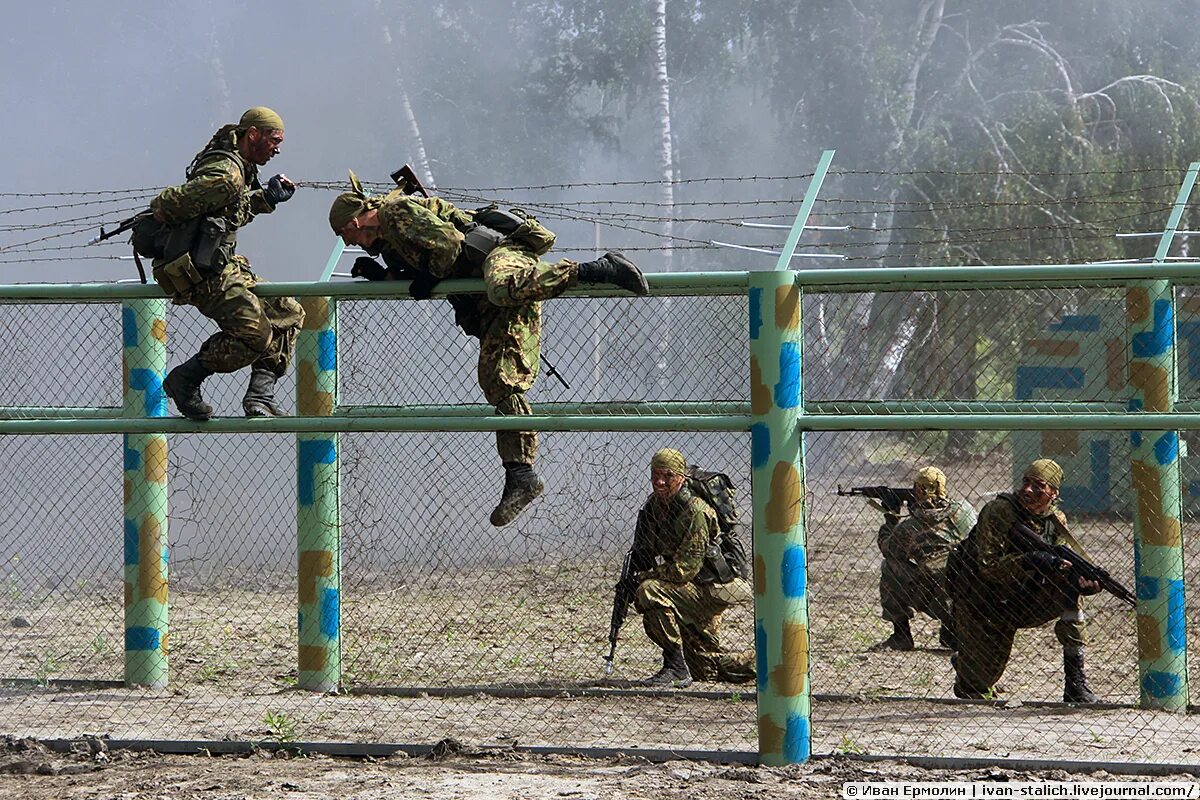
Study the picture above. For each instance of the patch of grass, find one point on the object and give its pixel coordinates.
(281, 727)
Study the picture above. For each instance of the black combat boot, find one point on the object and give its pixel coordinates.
(260, 394)
(1075, 688)
(521, 486)
(674, 671)
(901, 638)
(616, 269)
(183, 386)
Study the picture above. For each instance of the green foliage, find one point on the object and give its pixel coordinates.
(281, 726)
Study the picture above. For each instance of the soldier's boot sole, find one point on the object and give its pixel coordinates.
(626, 274)
(514, 500)
(262, 408)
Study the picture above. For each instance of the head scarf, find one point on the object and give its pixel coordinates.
(933, 481)
(262, 118)
(669, 459)
(348, 205)
(1046, 470)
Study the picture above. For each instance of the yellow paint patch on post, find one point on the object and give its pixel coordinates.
(158, 329)
(310, 401)
(1137, 304)
(770, 736)
(791, 675)
(312, 658)
(152, 583)
(313, 564)
(155, 460)
(787, 307)
(1156, 528)
(316, 313)
(128, 594)
(786, 500)
(1152, 382)
(1150, 639)
(760, 394)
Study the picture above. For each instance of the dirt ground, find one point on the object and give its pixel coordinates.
(512, 653)
(31, 772)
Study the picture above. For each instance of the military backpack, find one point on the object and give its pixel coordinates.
(728, 558)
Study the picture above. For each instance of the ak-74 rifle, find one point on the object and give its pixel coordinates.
(409, 183)
(126, 225)
(1028, 540)
(889, 498)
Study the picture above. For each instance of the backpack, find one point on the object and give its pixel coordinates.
(718, 491)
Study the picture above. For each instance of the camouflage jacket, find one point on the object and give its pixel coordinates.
(218, 182)
(424, 232)
(929, 533)
(997, 558)
(674, 534)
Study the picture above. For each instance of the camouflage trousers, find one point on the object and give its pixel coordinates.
(987, 617)
(688, 615)
(259, 331)
(905, 588)
(510, 340)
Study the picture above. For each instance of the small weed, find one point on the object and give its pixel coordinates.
(849, 746)
(1096, 738)
(735, 697)
(46, 667)
(281, 727)
(99, 644)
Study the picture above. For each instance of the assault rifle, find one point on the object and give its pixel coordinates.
(890, 499)
(1028, 540)
(623, 592)
(409, 183)
(125, 225)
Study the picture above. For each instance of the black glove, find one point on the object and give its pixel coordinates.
(1043, 563)
(369, 268)
(422, 286)
(279, 192)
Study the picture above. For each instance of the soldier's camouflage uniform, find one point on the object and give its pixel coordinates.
(253, 330)
(425, 234)
(679, 599)
(915, 551)
(995, 593)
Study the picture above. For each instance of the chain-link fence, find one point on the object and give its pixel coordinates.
(453, 628)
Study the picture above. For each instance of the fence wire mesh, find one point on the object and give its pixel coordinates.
(452, 628)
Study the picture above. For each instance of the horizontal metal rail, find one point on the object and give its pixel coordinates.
(590, 423)
(860, 279)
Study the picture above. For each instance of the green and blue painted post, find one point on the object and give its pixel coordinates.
(144, 360)
(1158, 535)
(318, 528)
(778, 488)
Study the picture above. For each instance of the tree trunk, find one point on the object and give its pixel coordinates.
(421, 159)
(666, 171)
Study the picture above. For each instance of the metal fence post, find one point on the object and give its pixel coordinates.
(777, 483)
(1154, 465)
(318, 530)
(144, 359)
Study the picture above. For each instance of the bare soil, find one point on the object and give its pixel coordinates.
(30, 772)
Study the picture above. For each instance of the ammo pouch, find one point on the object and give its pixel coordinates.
(715, 563)
(207, 239)
(517, 225)
(478, 241)
(178, 277)
(466, 313)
